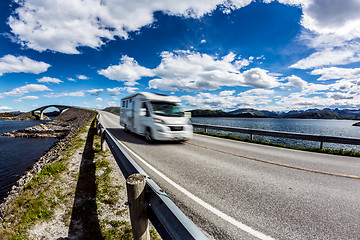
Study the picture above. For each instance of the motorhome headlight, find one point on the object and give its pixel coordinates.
(156, 120)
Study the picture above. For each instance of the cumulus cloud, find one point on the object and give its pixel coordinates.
(116, 91)
(26, 98)
(81, 93)
(20, 91)
(4, 108)
(336, 73)
(295, 81)
(82, 77)
(95, 92)
(192, 71)
(12, 64)
(99, 99)
(332, 28)
(259, 78)
(49, 80)
(254, 98)
(128, 71)
(65, 25)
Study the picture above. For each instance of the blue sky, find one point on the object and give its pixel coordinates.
(274, 55)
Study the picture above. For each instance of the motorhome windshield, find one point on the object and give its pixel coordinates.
(167, 109)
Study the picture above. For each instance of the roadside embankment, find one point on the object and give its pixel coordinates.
(79, 194)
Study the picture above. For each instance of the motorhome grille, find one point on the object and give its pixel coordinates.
(176, 128)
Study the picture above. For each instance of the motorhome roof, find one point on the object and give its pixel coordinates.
(155, 97)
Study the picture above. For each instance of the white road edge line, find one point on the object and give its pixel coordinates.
(201, 202)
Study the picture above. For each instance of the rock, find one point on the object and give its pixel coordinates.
(356, 124)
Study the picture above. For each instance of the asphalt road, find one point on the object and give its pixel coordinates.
(237, 190)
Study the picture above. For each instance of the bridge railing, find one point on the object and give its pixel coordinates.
(169, 221)
(299, 136)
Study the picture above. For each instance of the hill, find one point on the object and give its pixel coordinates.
(327, 114)
(304, 114)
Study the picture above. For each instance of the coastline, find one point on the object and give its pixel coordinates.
(49, 155)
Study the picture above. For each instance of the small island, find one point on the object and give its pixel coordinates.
(357, 124)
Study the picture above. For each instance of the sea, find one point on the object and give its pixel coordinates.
(325, 127)
(18, 154)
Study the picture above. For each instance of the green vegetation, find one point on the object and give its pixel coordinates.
(328, 151)
(38, 199)
(3, 115)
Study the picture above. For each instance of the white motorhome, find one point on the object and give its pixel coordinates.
(155, 116)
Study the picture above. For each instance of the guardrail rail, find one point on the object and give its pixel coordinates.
(169, 221)
(299, 136)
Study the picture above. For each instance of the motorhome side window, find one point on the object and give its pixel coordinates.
(127, 102)
(143, 105)
(123, 103)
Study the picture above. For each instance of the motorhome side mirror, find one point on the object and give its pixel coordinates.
(142, 112)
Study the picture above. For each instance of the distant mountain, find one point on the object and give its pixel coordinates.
(254, 112)
(115, 110)
(305, 114)
(208, 113)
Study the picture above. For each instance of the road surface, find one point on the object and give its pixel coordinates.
(238, 190)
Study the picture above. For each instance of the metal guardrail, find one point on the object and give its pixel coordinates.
(166, 217)
(299, 136)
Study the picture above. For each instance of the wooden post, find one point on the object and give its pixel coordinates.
(251, 136)
(102, 134)
(321, 145)
(205, 130)
(135, 185)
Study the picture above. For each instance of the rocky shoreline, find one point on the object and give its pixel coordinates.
(64, 127)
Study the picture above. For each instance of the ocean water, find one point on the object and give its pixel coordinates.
(18, 154)
(338, 128)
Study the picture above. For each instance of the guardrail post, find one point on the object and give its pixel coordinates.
(135, 185)
(321, 145)
(205, 130)
(102, 135)
(251, 136)
(97, 127)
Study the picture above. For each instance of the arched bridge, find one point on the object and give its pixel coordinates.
(41, 109)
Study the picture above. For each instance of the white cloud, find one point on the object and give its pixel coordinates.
(71, 79)
(81, 93)
(259, 78)
(191, 71)
(65, 25)
(295, 81)
(26, 98)
(4, 108)
(12, 64)
(99, 99)
(20, 91)
(95, 92)
(330, 56)
(128, 71)
(226, 100)
(82, 77)
(49, 80)
(332, 28)
(116, 91)
(337, 73)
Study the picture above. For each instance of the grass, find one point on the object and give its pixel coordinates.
(38, 198)
(48, 191)
(324, 150)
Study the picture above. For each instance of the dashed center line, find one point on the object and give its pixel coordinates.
(276, 163)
